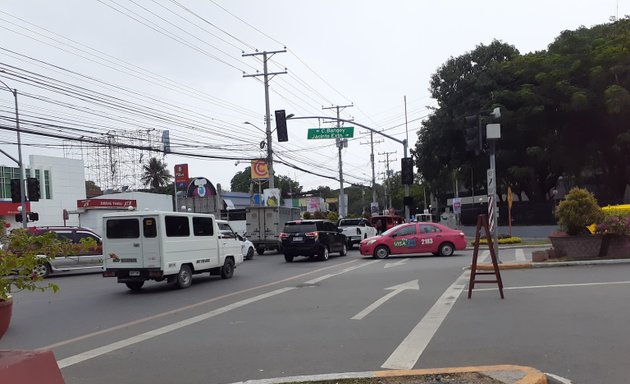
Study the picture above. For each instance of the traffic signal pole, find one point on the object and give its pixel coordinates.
(403, 142)
(20, 162)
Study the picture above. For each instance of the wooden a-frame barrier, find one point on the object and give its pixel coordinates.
(482, 221)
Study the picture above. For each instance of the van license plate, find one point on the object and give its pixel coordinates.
(134, 273)
(297, 238)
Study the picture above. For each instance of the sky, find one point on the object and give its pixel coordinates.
(84, 68)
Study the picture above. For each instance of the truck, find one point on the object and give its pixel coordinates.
(264, 225)
(171, 246)
(356, 230)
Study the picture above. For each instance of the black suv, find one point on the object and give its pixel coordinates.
(312, 238)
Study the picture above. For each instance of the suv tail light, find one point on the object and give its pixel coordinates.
(283, 235)
(311, 234)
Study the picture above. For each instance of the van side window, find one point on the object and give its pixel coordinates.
(177, 226)
(148, 227)
(202, 226)
(123, 229)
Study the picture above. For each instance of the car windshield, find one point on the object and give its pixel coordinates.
(300, 228)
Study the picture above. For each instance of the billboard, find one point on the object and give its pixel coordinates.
(181, 175)
(259, 169)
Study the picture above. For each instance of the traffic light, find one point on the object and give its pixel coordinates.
(32, 186)
(472, 133)
(16, 196)
(281, 126)
(32, 216)
(18, 217)
(406, 174)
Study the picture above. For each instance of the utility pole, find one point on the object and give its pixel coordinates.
(341, 143)
(387, 161)
(405, 155)
(372, 142)
(266, 56)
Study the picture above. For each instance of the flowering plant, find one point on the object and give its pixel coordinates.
(614, 225)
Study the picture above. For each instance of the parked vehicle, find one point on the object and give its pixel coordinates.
(247, 247)
(312, 238)
(264, 225)
(85, 260)
(356, 230)
(385, 222)
(169, 246)
(414, 238)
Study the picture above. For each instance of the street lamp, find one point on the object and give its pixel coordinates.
(19, 161)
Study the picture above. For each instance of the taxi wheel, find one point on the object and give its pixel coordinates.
(381, 252)
(447, 249)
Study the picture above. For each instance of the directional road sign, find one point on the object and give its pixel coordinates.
(330, 133)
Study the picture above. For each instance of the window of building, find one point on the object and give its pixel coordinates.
(47, 189)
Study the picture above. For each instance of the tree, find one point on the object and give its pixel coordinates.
(156, 174)
(91, 189)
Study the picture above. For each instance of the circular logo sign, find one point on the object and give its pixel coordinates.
(259, 169)
(201, 191)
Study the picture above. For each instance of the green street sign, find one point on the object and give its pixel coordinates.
(330, 133)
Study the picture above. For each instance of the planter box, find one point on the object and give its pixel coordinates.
(577, 247)
(616, 247)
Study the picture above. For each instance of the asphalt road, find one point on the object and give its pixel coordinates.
(347, 314)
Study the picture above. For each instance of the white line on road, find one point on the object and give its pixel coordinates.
(401, 262)
(321, 278)
(409, 351)
(557, 286)
(519, 255)
(559, 378)
(413, 284)
(63, 363)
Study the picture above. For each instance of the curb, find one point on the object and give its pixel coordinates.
(507, 374)
(551, 264)
(29, 367)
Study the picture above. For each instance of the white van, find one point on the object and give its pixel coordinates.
(172, 246)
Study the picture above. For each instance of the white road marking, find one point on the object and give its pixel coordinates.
(63, 363)
(409, 351)
(413, 284)
(321, 278)
(485, 255)
(557, 286)
(519, 254)
(400, 262)
(559, 378)
(180, 324)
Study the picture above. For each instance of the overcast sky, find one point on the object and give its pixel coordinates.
(178, 65)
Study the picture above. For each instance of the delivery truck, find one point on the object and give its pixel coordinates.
(264, 225)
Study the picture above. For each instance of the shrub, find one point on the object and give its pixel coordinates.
(306, 215)
(614, 225)
(502, 240)
(332, 216)
(578, 210)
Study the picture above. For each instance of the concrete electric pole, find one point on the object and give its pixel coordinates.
(341, 143)
(266, 56)
(372, 142)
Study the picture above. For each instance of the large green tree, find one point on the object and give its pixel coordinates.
(565, 113)
(155, 174)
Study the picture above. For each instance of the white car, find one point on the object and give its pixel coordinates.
(247, 247)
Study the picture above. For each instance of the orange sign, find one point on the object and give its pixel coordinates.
(259, 169)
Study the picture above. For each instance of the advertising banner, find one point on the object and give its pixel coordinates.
(181, 176)
(259, 169)
(271, 197)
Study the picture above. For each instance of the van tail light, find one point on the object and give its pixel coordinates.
(109, 274)
(311, 234)
(283, 235)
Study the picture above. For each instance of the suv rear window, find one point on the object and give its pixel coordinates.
(300, 228)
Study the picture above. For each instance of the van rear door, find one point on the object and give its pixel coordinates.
(123, 244)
